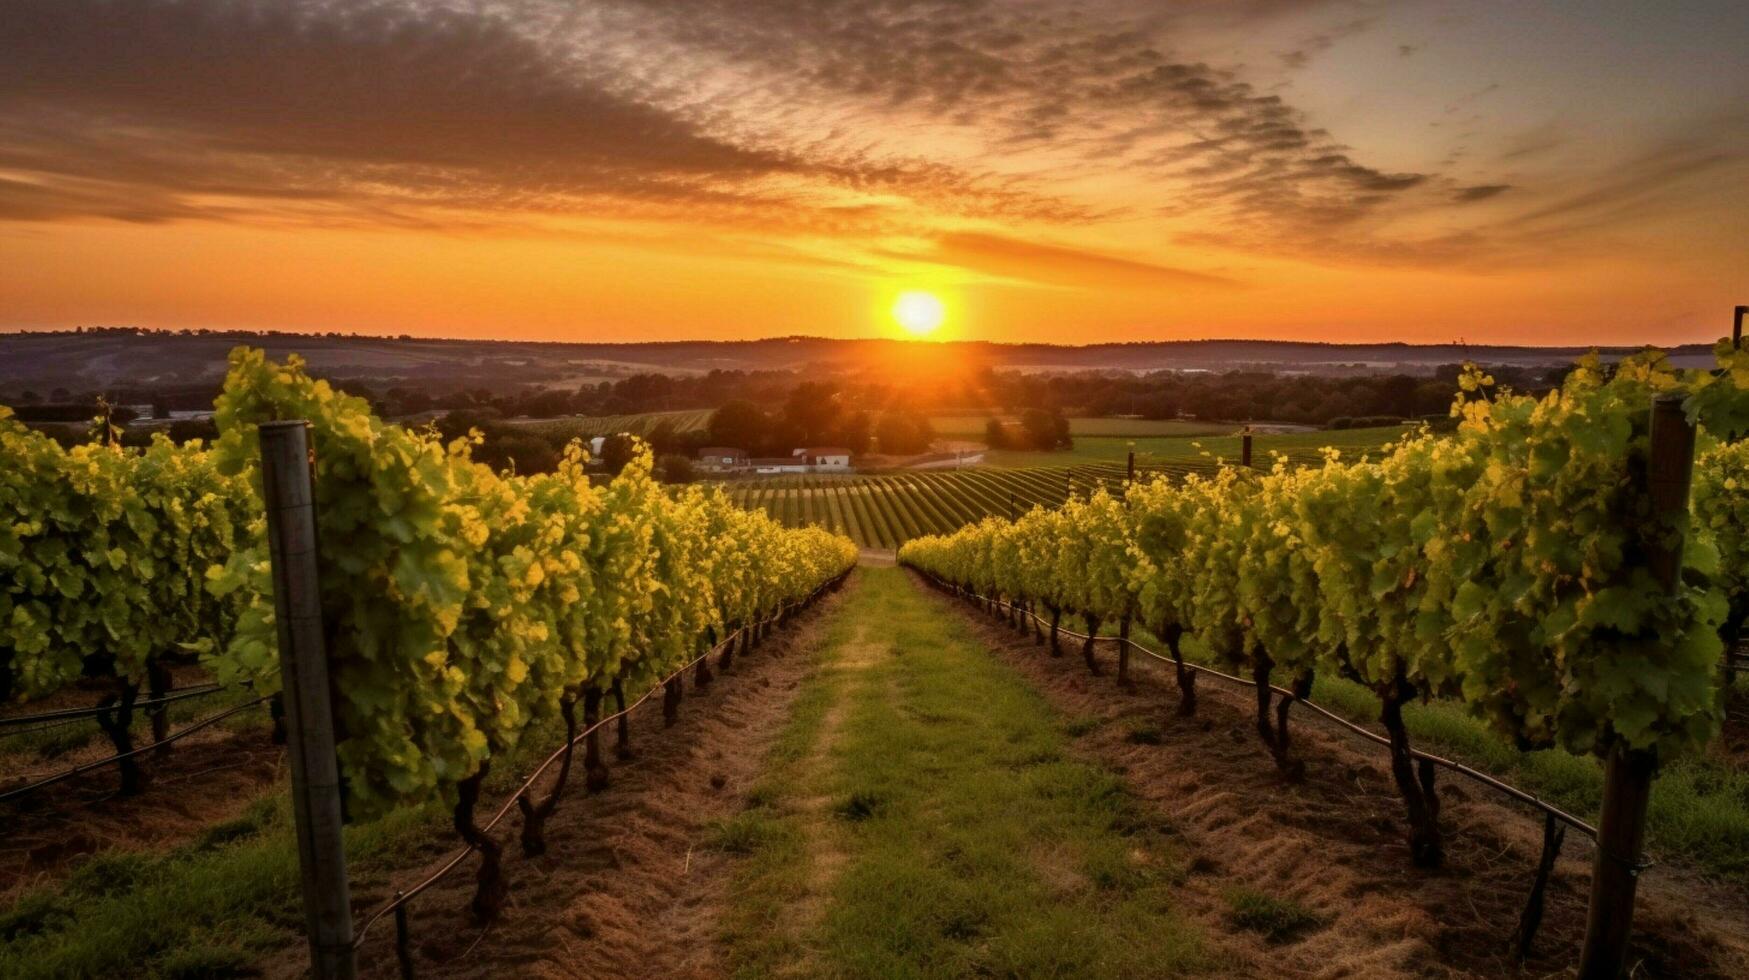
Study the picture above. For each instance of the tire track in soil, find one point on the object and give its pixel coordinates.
(1335, 842)
(627, 887)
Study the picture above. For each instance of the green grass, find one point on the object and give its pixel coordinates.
(971, 426)
(1177, 451)
(640, 424)
(211, 907)
(919, 818)
(1274, 918)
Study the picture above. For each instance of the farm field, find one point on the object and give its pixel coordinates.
(1189, 449)
(964, 426)
(642, 424)
(883, 510)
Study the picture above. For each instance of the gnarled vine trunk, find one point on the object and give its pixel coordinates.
(116, 717)
(1087, 645)
(534, 815)
(158, 686)
(595, 771)
(1123, 652)
(1056, 639)
(622, 746)
(1425, 846)
(489, 890)
(1173, 634)
(672, 691)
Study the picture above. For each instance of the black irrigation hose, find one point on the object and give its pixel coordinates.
(1528, 799)
(74, 714)
(29, 788)
(402, 897)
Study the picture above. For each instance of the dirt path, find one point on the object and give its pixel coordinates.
(627, 887)
(1333, 843)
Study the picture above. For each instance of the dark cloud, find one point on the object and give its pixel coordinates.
(1012, 258)
(160, 110)
(836, 118)
(1479, 192)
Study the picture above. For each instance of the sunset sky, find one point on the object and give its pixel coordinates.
(1516, 172)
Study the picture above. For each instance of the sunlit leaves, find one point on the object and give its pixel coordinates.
(1504, 565)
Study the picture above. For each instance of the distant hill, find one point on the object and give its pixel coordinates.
(117, 357)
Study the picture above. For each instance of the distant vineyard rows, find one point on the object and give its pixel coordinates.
(883, 511)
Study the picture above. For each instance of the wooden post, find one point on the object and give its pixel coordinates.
(1737, 316)
(1627, 781)
(1245, 450)
(1130, 470)
(309, 713)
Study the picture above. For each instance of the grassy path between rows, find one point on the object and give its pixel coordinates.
(920, 816)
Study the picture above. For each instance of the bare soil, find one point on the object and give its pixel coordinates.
(1334, 843)
(627, 887)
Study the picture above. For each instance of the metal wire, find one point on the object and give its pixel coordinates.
(1527, 798)
(75, 714)
(29, 788)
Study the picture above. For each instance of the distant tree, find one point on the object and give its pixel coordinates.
(618, 450)
(187, 429)
(675, 468)
(812, 411)
(454, 425)
(739, 424)
(904, 433)
(522, 451)
(1045, 429)
(855, 432)
(996, 435)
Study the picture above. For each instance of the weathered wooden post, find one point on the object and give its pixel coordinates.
(1245, 449)
(1627, 786)
(1130, 468)
(289, 495)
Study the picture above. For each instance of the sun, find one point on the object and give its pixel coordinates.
(919, 313)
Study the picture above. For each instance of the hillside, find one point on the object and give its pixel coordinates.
(110, 357)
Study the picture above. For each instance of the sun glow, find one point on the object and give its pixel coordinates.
(919, 313)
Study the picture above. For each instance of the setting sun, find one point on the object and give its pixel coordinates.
(919, 313)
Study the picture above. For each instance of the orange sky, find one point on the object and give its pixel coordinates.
(1055, 171)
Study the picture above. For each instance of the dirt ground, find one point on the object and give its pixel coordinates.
(626, 888)
(210, 776)
(1334, 843)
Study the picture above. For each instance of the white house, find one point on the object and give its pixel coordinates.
(826, 459)
(722, 459)
(772, 465)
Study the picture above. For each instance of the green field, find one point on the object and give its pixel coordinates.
(963, 426)
(884, 510)
(641, 424)
(1179, 450)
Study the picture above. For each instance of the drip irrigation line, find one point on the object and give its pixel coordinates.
(29, 788)
(402, 897)
(75, 714)
(1528, 799)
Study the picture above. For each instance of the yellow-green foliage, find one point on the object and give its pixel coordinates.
(1504, 564)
